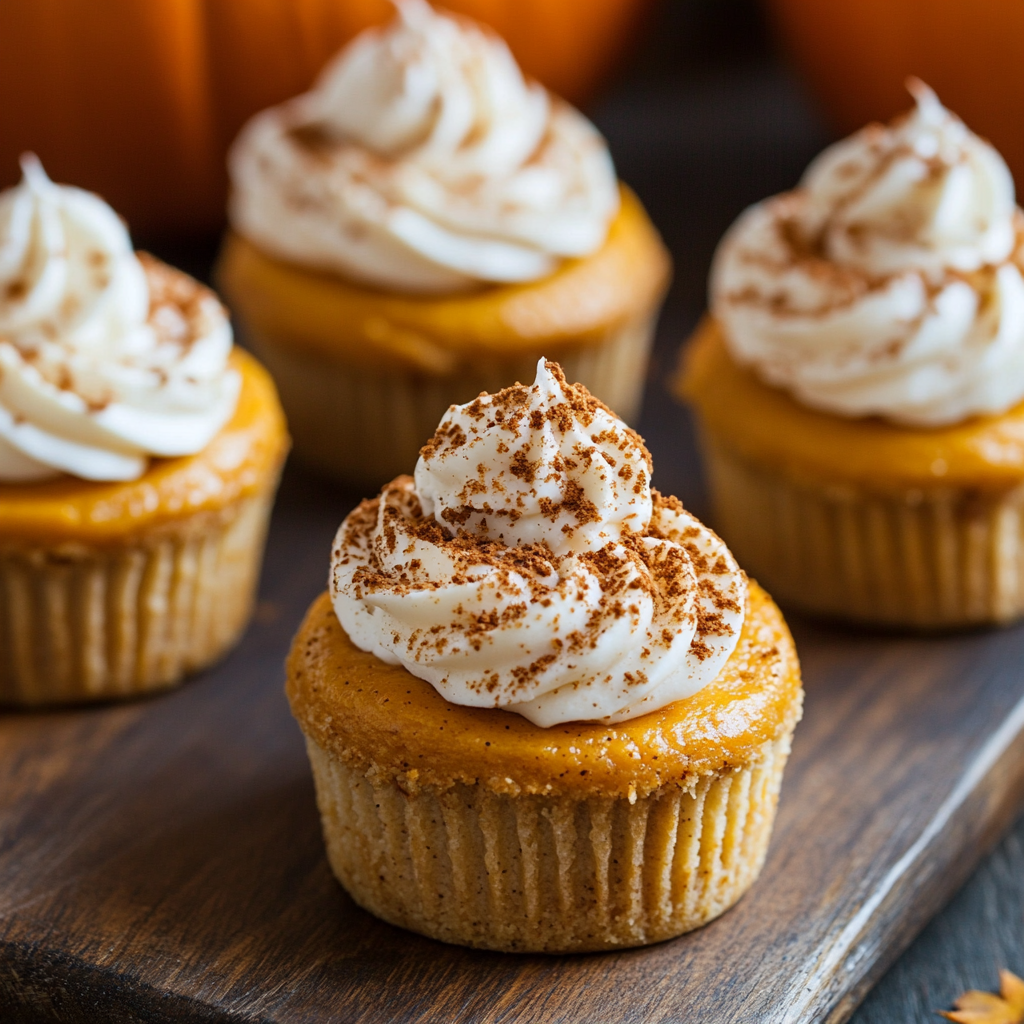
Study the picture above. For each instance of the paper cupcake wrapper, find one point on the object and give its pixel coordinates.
(367, 426)
(936, 558)
(548, 874)
(84, 624)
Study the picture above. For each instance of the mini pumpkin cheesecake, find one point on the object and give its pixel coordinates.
(139, 456)
(859, 381)
(544, 708)
(395, 249)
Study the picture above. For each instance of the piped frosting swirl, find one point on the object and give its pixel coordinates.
(529, 565)
(423, 161)
(890, 282)
(106, 358)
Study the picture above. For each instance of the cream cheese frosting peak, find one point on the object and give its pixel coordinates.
(530, 566)
(543, 464)
(424, 161)
(105, 359)
(890, 282)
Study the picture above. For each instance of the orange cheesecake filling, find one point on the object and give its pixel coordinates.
(382, 718)
(766, 426)
(579, 303)
(239, 461)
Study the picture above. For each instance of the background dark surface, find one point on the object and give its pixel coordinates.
(705, 120)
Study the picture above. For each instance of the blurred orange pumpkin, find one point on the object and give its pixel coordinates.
(857, 53)
(139, 99)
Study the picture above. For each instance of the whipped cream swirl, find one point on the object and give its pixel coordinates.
(890, 282)
(423, 161)
(530, 566)
(106, 358)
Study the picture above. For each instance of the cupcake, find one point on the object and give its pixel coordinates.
(544, 708)
(139, 455)
(424, 225)
(859, 381)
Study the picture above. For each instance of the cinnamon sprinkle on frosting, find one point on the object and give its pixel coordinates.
(529, 565)
(890, 282)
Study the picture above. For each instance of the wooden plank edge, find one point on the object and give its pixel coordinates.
(965, 827)
(39, 986)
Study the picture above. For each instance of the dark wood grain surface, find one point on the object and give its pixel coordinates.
(161, 861)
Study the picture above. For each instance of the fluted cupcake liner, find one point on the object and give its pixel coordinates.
(367, 426)
(548, 874)
(81, 623)
(926, 558)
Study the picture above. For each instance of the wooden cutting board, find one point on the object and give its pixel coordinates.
(162, 861)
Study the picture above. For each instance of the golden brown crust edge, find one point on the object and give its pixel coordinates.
(383, 720)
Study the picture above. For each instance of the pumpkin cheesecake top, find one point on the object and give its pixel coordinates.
(769, 428)
(578, 304)
(380, 717)
(237, 462)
